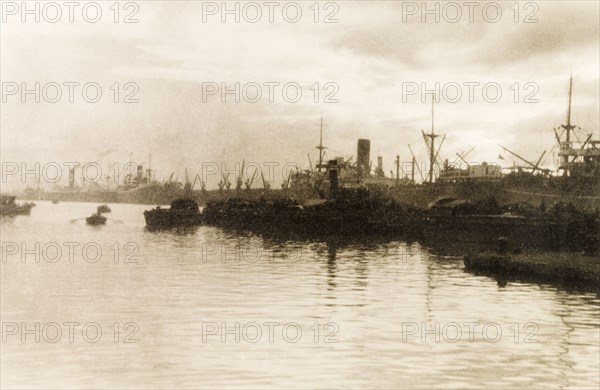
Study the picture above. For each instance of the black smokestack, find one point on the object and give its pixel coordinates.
(71, 178)
(333, 179)
(363, 156)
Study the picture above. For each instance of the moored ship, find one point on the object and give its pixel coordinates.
(183, 212)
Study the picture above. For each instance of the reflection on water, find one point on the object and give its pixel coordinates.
(202, 304)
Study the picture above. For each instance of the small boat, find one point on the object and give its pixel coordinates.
(104, 209)
(96, 219)
(9, 207)
(183, 212)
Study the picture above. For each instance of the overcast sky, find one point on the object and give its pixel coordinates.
(369, 54)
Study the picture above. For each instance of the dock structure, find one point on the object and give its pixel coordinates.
(580, 269)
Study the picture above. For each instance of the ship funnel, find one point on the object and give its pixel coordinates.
(363, 156)
(71, 178)
(333, 178)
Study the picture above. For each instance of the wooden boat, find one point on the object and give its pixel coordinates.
(96, 219)
(104, 209)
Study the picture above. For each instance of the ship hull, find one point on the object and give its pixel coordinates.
(538, 196)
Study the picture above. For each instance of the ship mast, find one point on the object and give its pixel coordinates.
(321, 147)
(150, 166)
(568, 126)
(432, 150)
(397, 169)
(566, 147)
(432, 136)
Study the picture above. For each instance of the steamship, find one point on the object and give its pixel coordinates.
(139, 187)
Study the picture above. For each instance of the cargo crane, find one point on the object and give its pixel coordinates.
(249, 181)
(533, 166)
(224, 183)
(266, 184)
(462, 156)
(286, 184)
(240, 178)
(202, 183)
(414, 164)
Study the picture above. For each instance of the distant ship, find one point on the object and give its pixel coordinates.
(139, 188)
(8, 206)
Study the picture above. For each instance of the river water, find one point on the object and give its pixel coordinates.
(118, 306)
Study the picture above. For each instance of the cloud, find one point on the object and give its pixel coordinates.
(416, 44)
